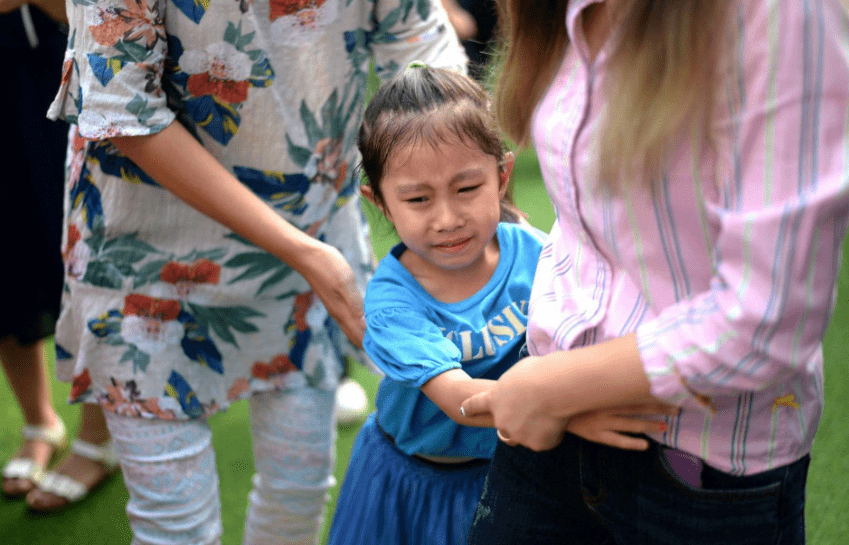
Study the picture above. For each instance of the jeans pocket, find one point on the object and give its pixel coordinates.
(644, 500)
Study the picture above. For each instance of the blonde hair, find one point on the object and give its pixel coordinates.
(661, 77)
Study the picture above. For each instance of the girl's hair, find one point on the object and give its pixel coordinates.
(433, 105)
(661, 78)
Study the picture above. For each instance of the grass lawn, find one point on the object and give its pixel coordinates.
(101, 519)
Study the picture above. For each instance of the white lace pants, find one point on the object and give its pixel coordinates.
(169, 469)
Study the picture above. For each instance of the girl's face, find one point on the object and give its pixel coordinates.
(445, 203)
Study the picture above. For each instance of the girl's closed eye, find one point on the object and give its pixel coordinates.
(469, 188)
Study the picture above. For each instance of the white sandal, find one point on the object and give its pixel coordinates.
(71, 489)
(27, 468)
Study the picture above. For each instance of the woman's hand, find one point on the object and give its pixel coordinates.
(519, 411)
(612, 426)
(333, 281)
(531, 403)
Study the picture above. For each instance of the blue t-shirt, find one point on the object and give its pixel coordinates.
(413, 337)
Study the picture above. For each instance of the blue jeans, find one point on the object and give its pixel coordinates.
(585, 493)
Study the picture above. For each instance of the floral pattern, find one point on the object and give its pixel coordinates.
(166, 313)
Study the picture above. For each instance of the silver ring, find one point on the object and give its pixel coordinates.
(508, 441)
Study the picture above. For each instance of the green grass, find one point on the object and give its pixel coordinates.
(101, 518)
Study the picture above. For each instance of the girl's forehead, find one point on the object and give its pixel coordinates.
(423, 150)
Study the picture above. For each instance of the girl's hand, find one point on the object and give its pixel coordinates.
(518, 411)
(333, 281)
(612, 426)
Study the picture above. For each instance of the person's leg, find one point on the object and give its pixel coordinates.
(294, 433)
(169, 469)
(643, 500)
(84, 470)
(535, 497)
(27, 375)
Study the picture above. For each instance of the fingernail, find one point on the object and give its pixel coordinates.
(462, 410)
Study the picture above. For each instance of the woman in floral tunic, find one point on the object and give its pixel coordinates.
(215, 249)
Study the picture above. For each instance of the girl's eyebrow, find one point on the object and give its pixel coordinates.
(413, 187)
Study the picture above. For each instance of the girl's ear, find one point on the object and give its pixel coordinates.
(365, 189)
(368, 193)
(505, 171)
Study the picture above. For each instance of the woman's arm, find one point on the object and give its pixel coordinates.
(449, 389)
(180, 164)
(533, 400)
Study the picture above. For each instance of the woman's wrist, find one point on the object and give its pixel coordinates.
(601, 376)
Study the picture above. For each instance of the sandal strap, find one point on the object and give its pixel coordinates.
(23, 468)
(62, 485)
(103, 454)
(55, 435)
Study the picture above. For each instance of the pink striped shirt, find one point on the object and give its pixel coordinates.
(727, 273)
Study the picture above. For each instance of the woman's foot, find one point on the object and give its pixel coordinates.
(73, 477)
(27, 466)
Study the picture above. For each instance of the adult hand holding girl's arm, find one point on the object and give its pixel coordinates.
(532, 401)
(179, 163)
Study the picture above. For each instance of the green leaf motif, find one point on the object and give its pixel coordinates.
(220, 320)
(140, 359)
(129, 242)
(256, 263)
(214, 254)
(310, 125)
(328, 115)
(149, 272)
(132, 52)
(103, 274)
(423, 8)
(274, 279)
(231, 34)
(301, 156)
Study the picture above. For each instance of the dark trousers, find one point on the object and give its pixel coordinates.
(32, 154)
(585, 493)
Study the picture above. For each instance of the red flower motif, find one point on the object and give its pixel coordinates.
(303, 302)
(67, 70)
(230, 91)
(81, 383)
(73, 236)
(282, 8)
(136, 22)
(278, 365)
(202, 271)
(136, 304)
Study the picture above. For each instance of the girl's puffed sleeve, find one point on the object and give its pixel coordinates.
(408, 347)
(111, 77)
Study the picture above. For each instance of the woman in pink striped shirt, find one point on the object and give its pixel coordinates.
(697, 157)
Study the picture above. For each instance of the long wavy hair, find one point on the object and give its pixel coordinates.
(665, 66)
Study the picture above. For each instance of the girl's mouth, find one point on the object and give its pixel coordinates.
(453, 246)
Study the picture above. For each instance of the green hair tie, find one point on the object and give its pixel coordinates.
(417, 64)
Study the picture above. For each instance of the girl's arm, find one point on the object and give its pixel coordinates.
(449, 389)
(180, 164)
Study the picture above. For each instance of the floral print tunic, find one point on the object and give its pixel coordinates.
(166, 313)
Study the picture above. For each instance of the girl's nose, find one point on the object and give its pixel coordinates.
(448, 217)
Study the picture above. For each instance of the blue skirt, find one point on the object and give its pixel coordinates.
(390, 498)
